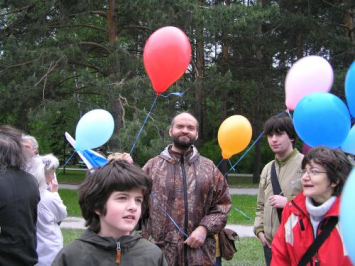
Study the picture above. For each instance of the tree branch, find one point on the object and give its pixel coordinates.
(102, 72)
(79, 26)
(18, 65)
(104, 48)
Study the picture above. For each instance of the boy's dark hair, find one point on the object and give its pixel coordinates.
(12, 153)
(116, 175)
(278, 124)
(335, 163)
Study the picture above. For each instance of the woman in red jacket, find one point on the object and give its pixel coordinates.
(303, 218)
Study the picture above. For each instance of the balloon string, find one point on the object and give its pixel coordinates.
(180, 94)
(243, 213)
(245, 153)
(155, 200)
(231, 165)
(257, 139)
(219, 162)
(71, 156)
(145, 121)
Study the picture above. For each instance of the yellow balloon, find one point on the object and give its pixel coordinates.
(234, 135)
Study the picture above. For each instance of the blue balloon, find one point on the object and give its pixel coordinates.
(348, 145)
(321, 118)
(94, 129)
(350, 89)
(347, 215)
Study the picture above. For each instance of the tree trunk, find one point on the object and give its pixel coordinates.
(257, 115)
(199, 81)
(224, 93)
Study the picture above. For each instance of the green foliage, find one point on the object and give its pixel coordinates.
(57, 62)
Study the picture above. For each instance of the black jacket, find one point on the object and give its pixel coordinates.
(19, 196)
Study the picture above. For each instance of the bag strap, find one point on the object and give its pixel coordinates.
(317, 243)
(276, 187)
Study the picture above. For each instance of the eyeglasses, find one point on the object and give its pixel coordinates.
(311, 172)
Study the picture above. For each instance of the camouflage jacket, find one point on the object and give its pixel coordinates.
(208, 204)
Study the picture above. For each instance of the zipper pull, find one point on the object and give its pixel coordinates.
(118, 253)
(316, 259)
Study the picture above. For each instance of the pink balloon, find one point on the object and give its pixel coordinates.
(308, 75)
(166, 57)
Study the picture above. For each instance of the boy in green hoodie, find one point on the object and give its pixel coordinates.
(113, 198)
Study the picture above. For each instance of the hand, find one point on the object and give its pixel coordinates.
(277, 201)
(263, 240)
(127, 157)
(197, 237)
(53, 186)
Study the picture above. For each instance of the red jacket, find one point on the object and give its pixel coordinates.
(295, 235)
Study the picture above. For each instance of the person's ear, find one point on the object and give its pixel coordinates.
(170, 130)
(97, 212)
(197, 135)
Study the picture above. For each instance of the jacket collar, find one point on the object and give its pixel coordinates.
(287, 158)
(108, 242)
(299, 203)
(173, 157)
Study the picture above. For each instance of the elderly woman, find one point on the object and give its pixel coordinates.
(309, 233)
(51, 210)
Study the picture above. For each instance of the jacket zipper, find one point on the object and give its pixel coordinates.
(118, 253)
(184, 184)
(316, 255)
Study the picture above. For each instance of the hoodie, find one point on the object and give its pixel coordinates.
(91, 249)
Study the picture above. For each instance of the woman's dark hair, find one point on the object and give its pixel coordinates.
(334, 161)
(12, 153)
(278, 124)
(116, 175)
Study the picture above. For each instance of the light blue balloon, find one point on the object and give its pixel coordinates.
(348, 145)
(321, 118)
(347, 215)
(350, 89)
(94, 129)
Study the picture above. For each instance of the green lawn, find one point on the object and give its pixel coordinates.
(76, 177)
(70, 176)
(242, 212)
(241, 182)
(249, 253)
(70, 200)
(71, 234)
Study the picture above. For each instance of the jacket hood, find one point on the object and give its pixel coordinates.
(165, 154)
(299, 203)
(108, 242)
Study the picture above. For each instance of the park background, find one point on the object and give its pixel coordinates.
(60, 59)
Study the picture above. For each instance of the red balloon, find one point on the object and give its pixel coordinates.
(166, 57)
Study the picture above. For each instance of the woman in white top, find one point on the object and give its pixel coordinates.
(51, 210)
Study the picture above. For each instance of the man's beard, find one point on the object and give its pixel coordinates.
(183, 145)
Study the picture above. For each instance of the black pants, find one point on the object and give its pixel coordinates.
(267, 255)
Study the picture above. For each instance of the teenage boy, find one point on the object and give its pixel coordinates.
(113, 198)
(281, 136)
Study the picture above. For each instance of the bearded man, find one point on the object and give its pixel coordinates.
(190, 198)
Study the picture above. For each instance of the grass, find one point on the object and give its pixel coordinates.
(70, 176)
(241, 182)
(77, 176)
(70, 200)
(244, 203)
(70, 235)
(243, 209)
(249, 253)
